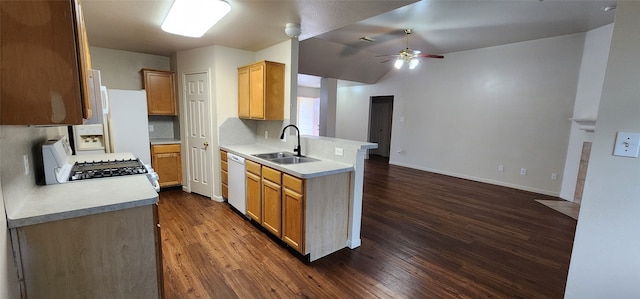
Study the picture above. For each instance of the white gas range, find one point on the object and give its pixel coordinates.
(61, 167)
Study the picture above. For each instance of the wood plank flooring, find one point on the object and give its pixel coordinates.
(423, 236)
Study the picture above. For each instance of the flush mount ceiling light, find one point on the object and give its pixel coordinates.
(193, 18)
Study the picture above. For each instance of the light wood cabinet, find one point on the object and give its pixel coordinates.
(112, 254)
(271, 200)
(293, 221)
(166, 160)
(253, 188)
(45, 62)
(224, 174)
(261, 91)
(161, 93)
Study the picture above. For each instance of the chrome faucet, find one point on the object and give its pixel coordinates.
(297, 148)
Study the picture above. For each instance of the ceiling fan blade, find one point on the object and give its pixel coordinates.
(385, 60)
(430, 56)
(387, 55)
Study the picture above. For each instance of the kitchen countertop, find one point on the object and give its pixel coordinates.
(157, 141)
(82, 198)
(302, 170)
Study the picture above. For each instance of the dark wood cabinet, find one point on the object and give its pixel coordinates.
(45, 62)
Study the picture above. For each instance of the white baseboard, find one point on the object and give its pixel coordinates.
(477, 179)
(352, 244)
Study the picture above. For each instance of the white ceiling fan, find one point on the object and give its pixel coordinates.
(408, 55)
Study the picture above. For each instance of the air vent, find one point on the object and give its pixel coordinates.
(367, 39)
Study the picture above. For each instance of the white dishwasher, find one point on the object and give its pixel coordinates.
(237, 183)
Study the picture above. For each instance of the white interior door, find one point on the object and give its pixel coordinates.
(200, 155)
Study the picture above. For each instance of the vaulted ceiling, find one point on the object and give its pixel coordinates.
(330, 44)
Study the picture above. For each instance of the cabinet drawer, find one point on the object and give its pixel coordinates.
(225, 177)
(271, 174)
(224, 166)
(293, 183)
(223, 156)
(252, 167)
(165, 148)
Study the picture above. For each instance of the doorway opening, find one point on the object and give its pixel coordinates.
(380, 120)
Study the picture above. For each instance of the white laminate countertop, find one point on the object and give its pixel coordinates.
(84, 197)
(157, 141)
(302, 170)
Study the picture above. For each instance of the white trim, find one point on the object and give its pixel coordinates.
(477, 179)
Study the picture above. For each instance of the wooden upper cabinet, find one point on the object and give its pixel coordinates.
(45, 62)
(243, 92)
(161, 94)
(261, 91)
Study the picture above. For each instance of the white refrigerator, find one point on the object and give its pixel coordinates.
(128, 123)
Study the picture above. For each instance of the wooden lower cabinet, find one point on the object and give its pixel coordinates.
(105, 255)
(293, 213)
(224, 174)
(253, 190)
(271, 200)
(310, 215)
(166, 160)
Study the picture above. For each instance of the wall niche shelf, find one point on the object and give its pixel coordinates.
(586, 124)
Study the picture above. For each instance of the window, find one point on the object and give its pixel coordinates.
(309, 116)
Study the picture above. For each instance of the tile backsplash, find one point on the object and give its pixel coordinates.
(164, 127)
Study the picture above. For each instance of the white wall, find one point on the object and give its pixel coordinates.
(121, 69)
(282, 53)
(309, 92)
(222, 65)
(592, 70)
(605, 261)
(468, 113)
(8, 274)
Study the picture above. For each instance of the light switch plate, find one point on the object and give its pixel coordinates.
(627, 145)
(339, 151)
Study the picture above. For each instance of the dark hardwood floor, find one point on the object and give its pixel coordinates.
(423, 236)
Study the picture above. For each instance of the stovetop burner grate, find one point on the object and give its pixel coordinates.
(101, 169)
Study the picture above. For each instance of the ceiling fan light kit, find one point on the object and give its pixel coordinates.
(410, 56)
(193, 18)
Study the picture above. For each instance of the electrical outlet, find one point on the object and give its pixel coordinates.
(150, 128)
(501, 168)
(339, 151)
(554, 176)
(25, 160)
(266, 134)
(523, 171)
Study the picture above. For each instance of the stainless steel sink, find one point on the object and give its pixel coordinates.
(292, 160)
(269, 156)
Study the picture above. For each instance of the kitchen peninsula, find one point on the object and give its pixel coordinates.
(314, 207)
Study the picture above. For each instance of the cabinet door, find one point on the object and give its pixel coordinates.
(293, 228)
(158, 242)
(169, 169)
(160, 88)
(271, 206)
(256, 91)
(243, 92)
(253, 197)
(42, 68)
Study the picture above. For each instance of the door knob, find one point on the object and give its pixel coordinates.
(206, 144)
